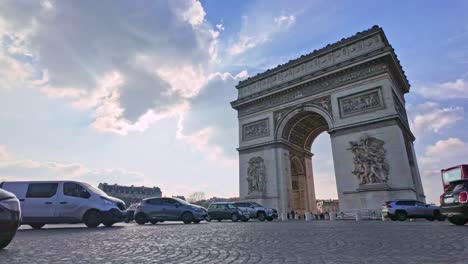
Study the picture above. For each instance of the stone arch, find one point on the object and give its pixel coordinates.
(302, 125)
(354, 90)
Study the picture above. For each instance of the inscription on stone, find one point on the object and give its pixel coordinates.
(256, 129)
(361, 102)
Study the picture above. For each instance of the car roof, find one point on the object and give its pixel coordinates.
(222, 203)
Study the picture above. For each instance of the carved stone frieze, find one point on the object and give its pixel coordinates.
(370, 164)
(314, 64)
(313, 87)
(256, 176)
(257, 129)
(360, 102)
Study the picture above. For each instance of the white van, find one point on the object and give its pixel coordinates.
(60, 202)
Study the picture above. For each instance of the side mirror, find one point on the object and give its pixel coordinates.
(85, 195)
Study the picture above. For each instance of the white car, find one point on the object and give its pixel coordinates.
(60, 202)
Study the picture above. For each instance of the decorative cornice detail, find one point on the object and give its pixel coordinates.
(320, 85)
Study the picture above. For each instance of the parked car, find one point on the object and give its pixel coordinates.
(131, 212)
(258, 211)
(57, 202)
(10, 217)
(222, 211)
(454, 202)
(155, 210)
(403, 209)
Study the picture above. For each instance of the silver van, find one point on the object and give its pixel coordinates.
(64, 202)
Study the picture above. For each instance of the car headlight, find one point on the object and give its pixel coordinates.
(196, 209)
(11, 204)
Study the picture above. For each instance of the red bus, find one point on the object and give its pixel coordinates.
(454, 173)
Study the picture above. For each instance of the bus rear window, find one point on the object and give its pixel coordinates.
(451, 175)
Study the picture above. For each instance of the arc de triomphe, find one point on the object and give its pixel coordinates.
(354, 90)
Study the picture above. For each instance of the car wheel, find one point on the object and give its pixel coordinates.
(4, 242)
(458, 220)
(153, 222)
(141, 219)
(92, 219)
(401, 215)
(393, 218)
(208, 219)
(37, 226)
(187, 218)
(196, 221)
(261, 216)
(234, 217)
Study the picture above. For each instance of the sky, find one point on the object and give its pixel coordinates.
(138, 92)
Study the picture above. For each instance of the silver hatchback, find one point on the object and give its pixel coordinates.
(403, 209)
(155, 210)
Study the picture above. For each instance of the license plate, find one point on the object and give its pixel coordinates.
(448, 200)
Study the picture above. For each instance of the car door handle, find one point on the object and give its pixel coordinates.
(48, 202)
(63, 202)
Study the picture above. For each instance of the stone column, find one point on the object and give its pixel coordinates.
(311, 202)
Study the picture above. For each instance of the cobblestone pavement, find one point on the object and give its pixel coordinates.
(251, 242)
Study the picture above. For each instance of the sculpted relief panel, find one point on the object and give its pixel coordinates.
(370, 164)
(256, 175)
(360, 103)
(256, 129)
(315, 64)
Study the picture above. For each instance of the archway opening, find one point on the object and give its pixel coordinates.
(300, 132)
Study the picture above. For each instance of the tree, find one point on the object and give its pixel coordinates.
(195, 197)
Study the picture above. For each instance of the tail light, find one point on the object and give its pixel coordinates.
(463, 197)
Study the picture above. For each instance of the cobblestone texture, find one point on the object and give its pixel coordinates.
(252, 242)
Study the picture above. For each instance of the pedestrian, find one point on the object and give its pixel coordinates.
(288, 215)
(293, 214)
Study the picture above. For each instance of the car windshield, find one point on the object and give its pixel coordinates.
(256, 204)
(94, 189)
(231, 206)
(451, 175)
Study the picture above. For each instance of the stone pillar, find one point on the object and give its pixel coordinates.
(312, 203)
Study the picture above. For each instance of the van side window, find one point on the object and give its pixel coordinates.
(75, 190)
(154, 201)
(41, 190)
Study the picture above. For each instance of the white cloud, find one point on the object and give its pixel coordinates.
(12, 168)
(457, 89)
(431, 117)
(284, 22)
(126, 68)
(443, 154)
(263, 32)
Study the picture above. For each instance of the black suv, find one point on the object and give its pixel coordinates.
(10, 217)
(222, 211)
(454, 202)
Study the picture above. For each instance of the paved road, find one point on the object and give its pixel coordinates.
(252, 242)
